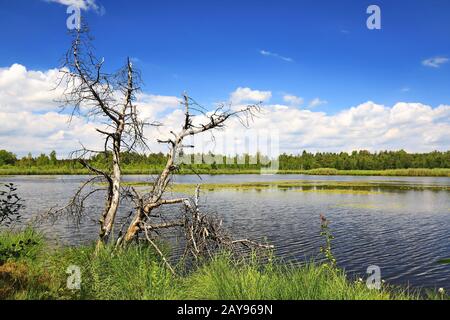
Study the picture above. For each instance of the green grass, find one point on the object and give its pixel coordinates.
(27, 244)
(138, 273)
(224, 279)
(10, 170)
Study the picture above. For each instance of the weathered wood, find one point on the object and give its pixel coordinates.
(88, 88)
(216, 120)
(110, 98)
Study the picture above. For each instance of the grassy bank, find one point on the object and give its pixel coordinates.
(10, 170)
(38, 272)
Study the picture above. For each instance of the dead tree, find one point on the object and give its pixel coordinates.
(109, 99)
(214, 120)
(204, 234)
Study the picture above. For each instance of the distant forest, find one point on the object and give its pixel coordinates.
(357, 160)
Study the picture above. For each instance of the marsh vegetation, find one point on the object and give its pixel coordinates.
(361, 163)
(137, 273)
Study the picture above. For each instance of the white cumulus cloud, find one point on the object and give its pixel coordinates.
(31, 117)
(153, 106)
(22, 89)
(293, 100)
(82, 4)
(31, 121)
(317, 102)
(249, 95)
(414, 127)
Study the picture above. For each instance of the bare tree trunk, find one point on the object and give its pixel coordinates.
(107, 222)
(158, 190)
(96, 94)
(215, 120)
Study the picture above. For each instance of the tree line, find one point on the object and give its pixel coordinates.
(357, 160)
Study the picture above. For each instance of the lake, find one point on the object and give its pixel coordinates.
(403, 230)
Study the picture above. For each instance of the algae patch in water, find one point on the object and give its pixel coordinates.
(342, 191)
(337, 187)
(370, 206)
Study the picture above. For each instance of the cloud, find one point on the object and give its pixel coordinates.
(249, 95)
(152, 107)
(317, 102)
(293, 100)
(31, 118)
(82, 4)
(435, 62)
(414, 127)
(275, 55)
(27, 90)
(31, 122)
(24, 131)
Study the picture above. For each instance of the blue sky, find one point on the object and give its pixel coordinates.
(327, 81)
(210, 48)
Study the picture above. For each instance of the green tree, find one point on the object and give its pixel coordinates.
(7, 158)
(42, 160)
(53, 159)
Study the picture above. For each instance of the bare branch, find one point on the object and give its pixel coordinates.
(159, 252)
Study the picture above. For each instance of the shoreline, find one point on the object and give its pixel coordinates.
(138, 273)
(412, 172)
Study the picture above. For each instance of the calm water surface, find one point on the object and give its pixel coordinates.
(402, 232)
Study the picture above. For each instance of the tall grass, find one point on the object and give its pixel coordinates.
(134, 273)
(394, 172)
(9, 170)
(226, 279)
(26, 245)
(137, 273)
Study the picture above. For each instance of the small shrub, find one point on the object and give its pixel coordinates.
(10, 205)
(16, 250)
(25, 244)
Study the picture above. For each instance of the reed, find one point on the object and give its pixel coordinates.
(130, 170)
(137, 273)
